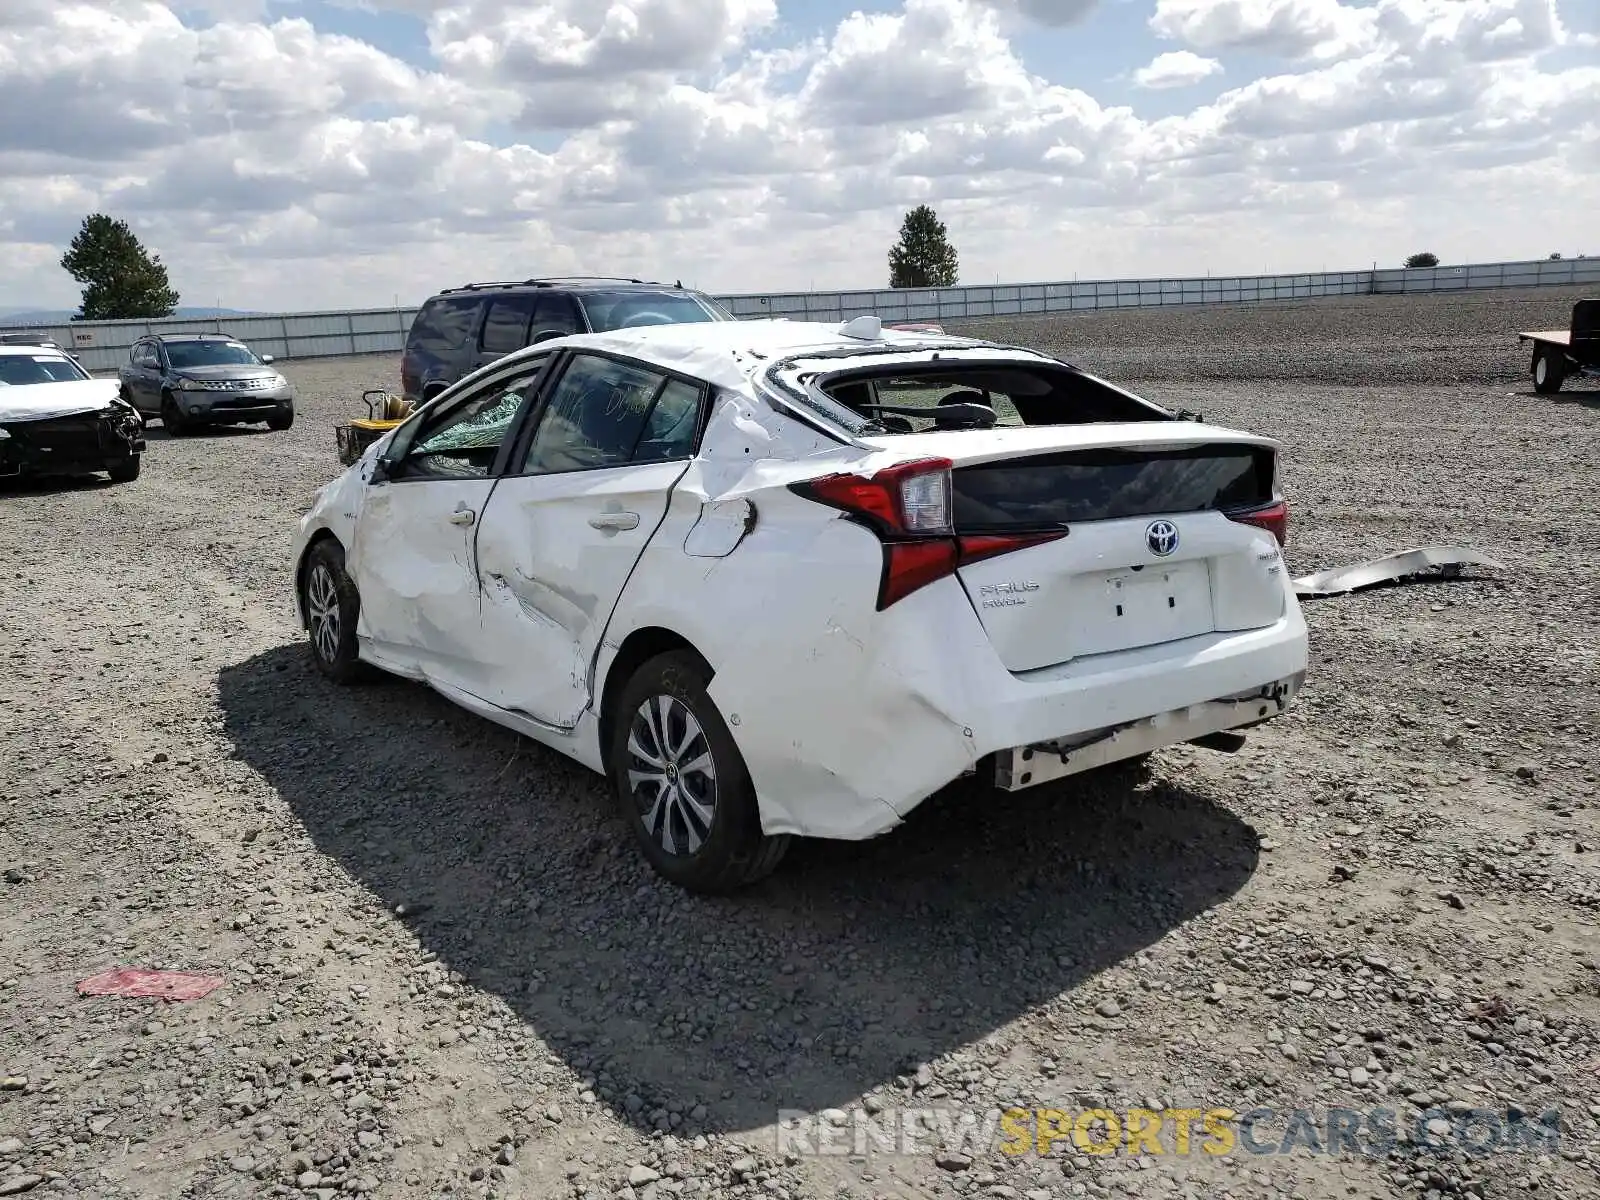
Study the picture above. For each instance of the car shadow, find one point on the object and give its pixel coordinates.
(846, 970)
(52, 485)
(158, 432)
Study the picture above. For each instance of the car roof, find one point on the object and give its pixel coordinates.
(728, 353)
(197, 336)
(568, 283)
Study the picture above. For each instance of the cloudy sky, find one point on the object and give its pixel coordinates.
(295, 154)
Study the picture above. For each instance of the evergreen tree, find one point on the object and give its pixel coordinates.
(923, 257)
(121, 279)
(1425, 259)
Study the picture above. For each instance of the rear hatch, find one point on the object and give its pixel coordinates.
(1150, 549)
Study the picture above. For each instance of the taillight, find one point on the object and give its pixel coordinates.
(909, 507)
(911, 498)
(1274, 518)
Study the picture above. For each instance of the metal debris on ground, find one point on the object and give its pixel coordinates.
(140, 983)
(1447, 561)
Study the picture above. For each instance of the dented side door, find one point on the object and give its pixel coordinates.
(559, 541)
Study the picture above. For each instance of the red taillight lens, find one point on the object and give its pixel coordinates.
(908, 566)
(1274, 519)
(979, 546)
(908, 499)
(909, 507)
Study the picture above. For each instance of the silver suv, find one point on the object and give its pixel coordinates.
(191, 379)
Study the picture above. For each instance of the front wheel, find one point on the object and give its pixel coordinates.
(332, 607)
(281, 420)
(172, 419)
(682, 783)
(124, 470)
(1549, 370)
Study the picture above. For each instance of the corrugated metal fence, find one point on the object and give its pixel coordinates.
(103, 345)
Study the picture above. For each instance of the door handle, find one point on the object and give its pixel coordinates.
(615, 520)
(463, 516)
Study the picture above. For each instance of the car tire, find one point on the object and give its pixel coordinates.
(281, 421)
(171, 419)
(124, 470)
(1549, 371)
(332, 606)
(667, 809)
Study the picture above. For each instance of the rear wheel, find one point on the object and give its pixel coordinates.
(332, 606)
(124, 470)
(682, 783)
(1549, 370)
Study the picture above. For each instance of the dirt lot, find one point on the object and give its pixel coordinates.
(448, 974)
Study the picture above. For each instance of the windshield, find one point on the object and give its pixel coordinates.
(18, 370)
(183, 355)
(628, 310)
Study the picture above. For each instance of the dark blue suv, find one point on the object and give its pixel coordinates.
(464, 328)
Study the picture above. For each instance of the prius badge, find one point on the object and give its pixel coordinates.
(1161, 537)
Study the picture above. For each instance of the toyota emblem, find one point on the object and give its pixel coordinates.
(1161, 537)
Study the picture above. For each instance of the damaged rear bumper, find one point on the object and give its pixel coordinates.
(1020, 767)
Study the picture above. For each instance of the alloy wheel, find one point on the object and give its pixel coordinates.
(322, 611)
(672, 775)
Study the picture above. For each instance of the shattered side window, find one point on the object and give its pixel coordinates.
(466, 442)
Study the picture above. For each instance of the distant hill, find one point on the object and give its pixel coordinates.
(61, 316)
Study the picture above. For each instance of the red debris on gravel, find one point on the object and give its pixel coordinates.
(139, 983)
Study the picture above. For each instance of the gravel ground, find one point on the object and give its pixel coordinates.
(448, 973)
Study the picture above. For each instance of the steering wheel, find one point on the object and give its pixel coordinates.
(648, 317)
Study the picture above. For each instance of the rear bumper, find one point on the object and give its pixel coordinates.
(875, 719)
(1028, 766)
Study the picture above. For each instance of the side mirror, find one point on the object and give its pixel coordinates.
(544, 335)
(266, 360)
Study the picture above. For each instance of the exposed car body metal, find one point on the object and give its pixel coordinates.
(846, 716)
(1446, 560)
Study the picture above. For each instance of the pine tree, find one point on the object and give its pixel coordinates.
(923, 257)
(1426, 258)
(121, 279)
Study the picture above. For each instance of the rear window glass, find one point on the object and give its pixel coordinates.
(1105, 485)
(506, 327)
(629, 310)
(444, 323)
(977, 395)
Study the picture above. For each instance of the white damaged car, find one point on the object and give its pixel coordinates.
(56, 419)
(781, 579)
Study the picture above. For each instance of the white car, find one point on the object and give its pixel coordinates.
(57, 419)
(778, 578)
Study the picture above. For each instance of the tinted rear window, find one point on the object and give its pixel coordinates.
(1105, 485)
(506, 327)
(444, 323)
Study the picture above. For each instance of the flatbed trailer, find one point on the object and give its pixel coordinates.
(1559, 353)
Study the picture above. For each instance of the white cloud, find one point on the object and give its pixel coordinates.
(1292, 28)
(1176, 68)
(1045, 12)
(274, 164)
